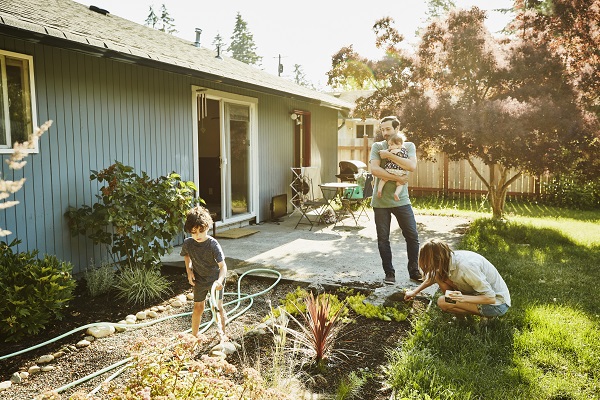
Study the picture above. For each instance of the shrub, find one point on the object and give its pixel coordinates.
(572, 191)
(34, 292)
(99, 280)
(140, 285)
(135, 216)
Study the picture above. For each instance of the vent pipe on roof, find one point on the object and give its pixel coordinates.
(99, 10)
(198, 32)
(219, 52)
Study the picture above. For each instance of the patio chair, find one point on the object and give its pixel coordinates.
(356, 199)
(307, 204)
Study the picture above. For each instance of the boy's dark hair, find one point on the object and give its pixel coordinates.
(394, 119)
(198, 217)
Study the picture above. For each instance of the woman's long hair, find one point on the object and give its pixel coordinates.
(434, 260)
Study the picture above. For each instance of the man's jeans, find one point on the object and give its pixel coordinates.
(406, 220)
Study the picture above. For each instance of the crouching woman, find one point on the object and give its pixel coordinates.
(472, 285)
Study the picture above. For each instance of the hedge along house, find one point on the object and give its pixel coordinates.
(120, 91)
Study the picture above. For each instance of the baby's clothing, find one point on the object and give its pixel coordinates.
(394, 168)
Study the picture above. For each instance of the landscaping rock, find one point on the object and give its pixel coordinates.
(81, 344)
(101, 331)
(16, 378)
(226, 347)
(176, 303)
(140, 316)
(218, 354)
(89, 338)
(151, 314)
(24, 375)
(34, 369)
(45, 359)
(47, 368)
(119, 328)
(190, 296)
(5, 385)
(58, 354)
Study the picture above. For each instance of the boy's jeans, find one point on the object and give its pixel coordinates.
(406, 220)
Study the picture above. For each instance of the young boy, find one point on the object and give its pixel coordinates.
(396, 147)
(204, 264)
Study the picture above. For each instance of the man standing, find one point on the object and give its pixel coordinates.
(385, 206)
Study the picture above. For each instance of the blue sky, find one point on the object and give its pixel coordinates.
(306, 33)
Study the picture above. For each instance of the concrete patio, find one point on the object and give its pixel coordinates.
(342, 255)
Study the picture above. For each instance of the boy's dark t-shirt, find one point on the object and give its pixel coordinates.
(205, 257)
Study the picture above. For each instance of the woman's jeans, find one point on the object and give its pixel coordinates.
(406, 220)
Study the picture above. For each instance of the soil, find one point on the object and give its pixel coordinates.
(366, 340)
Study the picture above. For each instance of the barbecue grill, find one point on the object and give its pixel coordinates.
(349, 168)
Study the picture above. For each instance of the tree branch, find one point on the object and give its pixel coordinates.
(474, 168)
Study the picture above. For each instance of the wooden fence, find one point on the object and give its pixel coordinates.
(445, 177)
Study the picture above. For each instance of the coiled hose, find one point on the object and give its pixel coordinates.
(203, 328)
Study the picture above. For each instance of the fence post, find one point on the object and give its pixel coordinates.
(366, 149)
(446, 172)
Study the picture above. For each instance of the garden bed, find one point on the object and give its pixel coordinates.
(366, 341)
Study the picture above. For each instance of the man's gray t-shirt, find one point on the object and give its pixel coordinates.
(387, 196)
(205, 257)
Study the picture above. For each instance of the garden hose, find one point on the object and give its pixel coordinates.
(240, 297)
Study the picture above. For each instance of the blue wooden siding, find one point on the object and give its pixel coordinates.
(106, 111)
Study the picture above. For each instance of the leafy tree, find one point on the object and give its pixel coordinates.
(472, 96)
(219, 43)
(164, 23)
(242, 46)
(152, 19)
(571, 30)
(300, 77)
(166, 20)
(438, 8)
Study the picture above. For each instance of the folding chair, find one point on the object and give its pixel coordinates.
(306, 202)
(358, 197)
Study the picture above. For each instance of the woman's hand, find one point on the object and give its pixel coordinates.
(408, 295)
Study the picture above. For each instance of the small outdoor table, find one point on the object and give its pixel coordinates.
(331, 192)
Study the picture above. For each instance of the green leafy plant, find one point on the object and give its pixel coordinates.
(136, 217)
(34, 292)
(99, 280)
(295, 304)
(368, 310)
(140, 285)
(350, 386)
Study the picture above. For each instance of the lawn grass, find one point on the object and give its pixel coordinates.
(547, 346)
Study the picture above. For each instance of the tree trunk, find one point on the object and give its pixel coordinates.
(497, 186)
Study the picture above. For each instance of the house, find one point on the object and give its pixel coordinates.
(120, 91)
(355, 135)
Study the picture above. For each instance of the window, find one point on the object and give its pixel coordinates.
(17, 111)
(362, 130)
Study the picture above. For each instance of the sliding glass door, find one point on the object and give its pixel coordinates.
(226, 167)
(237, 143)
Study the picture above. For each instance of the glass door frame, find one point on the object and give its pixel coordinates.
(225, 151)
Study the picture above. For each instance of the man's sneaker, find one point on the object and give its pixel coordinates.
(389, 279)
(416, 277)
